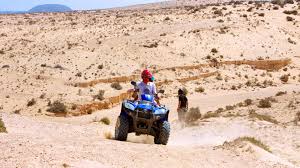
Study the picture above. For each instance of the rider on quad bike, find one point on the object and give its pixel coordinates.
(144, 115)
(146, 86)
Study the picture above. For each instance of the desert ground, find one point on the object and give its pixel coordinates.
(64, 75)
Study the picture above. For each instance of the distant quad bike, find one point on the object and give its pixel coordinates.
(143, 117)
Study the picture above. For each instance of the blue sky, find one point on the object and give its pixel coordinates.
(24, 5)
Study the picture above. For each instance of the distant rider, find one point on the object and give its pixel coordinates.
(146, 86)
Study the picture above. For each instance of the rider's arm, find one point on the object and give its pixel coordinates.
(136, 92)
(154, 92)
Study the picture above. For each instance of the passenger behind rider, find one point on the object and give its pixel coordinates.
(146, 86)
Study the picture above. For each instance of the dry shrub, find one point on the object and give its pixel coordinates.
(248, 102)
(100, 66)
(214, 50)
(57, 107)
(167, 18)
(232, 115)
(291, 41)
(280, 93)
(292, 12)
(297, 118)
(253, 114)
(250, 9)
(100, 95)
(193, 114)
(211, 115)
(116, 86)
(218, 12)
(284, 78)
(2, 126)
(199, 89)
(229, 108)
(254, 142)
(65, 165)
(18, 111)
(108, 135)
(31, 102)
(105, 120)
(289, 19)
(264, 103)
(42, 96)
(219, 77)
(267, 83)
(74, 107)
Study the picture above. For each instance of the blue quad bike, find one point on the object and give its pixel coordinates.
(143, 117)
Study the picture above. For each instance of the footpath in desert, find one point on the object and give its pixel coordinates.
(64, 75)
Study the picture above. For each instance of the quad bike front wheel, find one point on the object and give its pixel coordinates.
(121, 129)
(162, 136)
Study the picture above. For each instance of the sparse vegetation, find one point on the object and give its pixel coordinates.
(100, 66)
(42, 96)
(248, 102)
(233, 115)
(291, 41)
(105, 120)
(214, 50)
(291, 12)
(65, 165)
(211, 115)
(116, 86)
(254, 142)
(100, 95)
(297, 118)
(284, 78)
(2, 126)
(193, 114)
(289, 18)
(74, 107)
(17, 111)
(253, 114)
(57, 107)
(218, 12)
(219, 77)
(31, 102)
(200, 89)
(264, 103)
(229, 107)
(280, 93)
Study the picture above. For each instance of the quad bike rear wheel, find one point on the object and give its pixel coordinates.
(121, 129)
